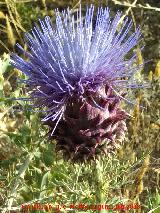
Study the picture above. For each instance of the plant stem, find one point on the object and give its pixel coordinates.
(99, 184)
(18, 181)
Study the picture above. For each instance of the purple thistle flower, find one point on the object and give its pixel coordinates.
(75, 65)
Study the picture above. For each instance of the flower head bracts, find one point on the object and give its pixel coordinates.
(74, 56)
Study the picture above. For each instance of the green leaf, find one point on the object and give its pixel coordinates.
(44, 184)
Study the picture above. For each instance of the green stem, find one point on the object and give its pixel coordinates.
(22, 170)
(99, 184)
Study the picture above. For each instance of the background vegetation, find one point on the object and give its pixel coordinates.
(31, 171)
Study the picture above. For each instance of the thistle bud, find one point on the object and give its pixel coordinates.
(78, 73)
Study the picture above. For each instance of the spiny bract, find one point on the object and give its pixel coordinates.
(77, 73)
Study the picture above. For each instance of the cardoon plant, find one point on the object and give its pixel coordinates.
(78, 71)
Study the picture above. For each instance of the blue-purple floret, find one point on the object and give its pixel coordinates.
(75, 56)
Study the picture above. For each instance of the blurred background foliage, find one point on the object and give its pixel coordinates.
(30, 170)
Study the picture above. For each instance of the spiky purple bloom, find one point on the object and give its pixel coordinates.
(76, 67)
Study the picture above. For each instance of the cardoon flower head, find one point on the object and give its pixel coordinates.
(78, 73)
